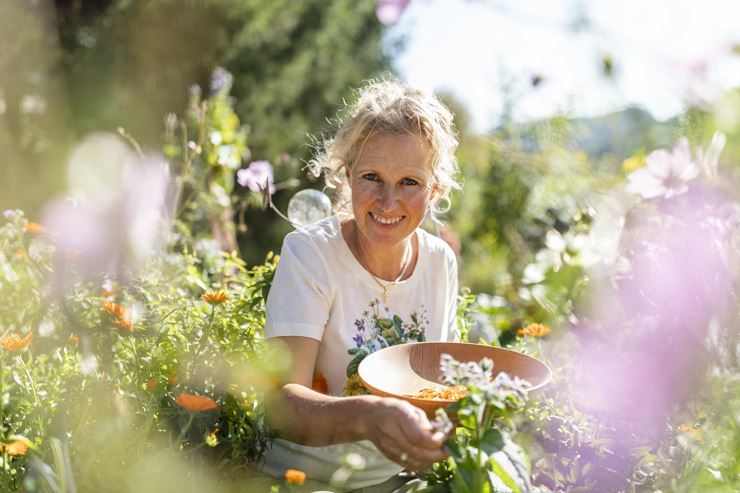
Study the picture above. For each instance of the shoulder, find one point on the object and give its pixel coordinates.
(437, 249)
(320, 237)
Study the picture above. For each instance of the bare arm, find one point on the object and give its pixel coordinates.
(301, 415)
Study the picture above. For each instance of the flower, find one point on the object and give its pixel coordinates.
(172, 379)
(215, 297)
(119, 316)
(358, 340)
(74, 340)
(195, 403)
(212, 439)
(319, 383)
(15, 448)
(151, 385)
(221, 80)
(535, 330)
(35, 228)
(294, 476)
(469, 373)
(14, 342)
(692, 432)
(354, 386)
(665, 174)
(88, 364)
(389, 11)
(257, 176)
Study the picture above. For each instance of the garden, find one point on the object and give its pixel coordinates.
(152, 168)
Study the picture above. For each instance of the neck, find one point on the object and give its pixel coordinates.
(390, 264)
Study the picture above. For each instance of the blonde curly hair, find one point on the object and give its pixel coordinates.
(389, 106)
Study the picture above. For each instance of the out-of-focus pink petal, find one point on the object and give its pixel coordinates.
(659, 163)
(389, 12)
(645, 183)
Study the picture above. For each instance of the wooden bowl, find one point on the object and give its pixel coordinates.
(403, 370)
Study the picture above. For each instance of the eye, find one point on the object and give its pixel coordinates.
(410, 182)
(370, 177)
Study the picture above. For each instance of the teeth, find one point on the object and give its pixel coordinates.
(381, 220)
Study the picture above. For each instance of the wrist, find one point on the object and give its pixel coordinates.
(363, 408)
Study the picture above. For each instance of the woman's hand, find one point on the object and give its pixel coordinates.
(404, 434)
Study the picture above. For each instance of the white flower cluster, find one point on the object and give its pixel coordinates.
(503, 388)
(469, 374)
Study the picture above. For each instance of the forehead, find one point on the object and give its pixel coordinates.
(392, 152)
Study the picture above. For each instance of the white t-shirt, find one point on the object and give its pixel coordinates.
(321, 291)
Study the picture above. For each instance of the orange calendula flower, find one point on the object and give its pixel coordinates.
(14, 342)
(535, 330)
(120, 317)
(692, 432)
(15, 448)
(195, 403)
(107, 294)
(172, 379)
(74, 340)
(151, 385)
(215, 297)
(19, 252)
(294, 476)
(319, 383)
(35, 228)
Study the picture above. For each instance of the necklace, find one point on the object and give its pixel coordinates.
(404, 266)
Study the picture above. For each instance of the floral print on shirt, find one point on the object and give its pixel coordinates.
(379, 328)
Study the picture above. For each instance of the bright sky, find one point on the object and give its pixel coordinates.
(474, 48)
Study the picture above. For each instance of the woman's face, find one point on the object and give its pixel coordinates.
(392, 185)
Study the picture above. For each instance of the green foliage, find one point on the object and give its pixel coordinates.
(105, 369)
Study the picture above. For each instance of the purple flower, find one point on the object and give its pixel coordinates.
(358, 340)
(389, 11)
(220, 79)
(360, 324)
(256, 176)
(666, 174)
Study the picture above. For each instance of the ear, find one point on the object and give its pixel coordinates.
(436, 192)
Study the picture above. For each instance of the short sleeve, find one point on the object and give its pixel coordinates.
(453, 334)
(300, 296)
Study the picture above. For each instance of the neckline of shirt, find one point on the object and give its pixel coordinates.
(359, 269)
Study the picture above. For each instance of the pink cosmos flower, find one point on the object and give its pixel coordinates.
(389, 11)
(666, 174)
(257, 176)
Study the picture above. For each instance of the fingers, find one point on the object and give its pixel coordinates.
(406, 436)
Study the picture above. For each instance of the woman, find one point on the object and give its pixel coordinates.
(354, 283)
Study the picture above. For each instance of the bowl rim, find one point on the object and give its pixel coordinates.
(426, 402)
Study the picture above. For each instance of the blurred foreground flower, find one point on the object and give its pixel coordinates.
(215, 297)
(195, 403)
(14, 342)
(535, 330)
(35, 228)
(294, 476)
(118, 211)
(665, 174)
(15, 448)
(257, 177)
(119, 316)
(389, 11)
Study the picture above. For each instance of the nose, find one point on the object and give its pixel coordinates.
(388, 198)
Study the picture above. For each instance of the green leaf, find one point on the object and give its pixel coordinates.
(355, 363)
(492, 441)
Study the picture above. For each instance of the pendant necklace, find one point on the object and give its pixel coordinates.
(405, 265)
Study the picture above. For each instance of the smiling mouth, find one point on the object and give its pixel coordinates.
(388, 221)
